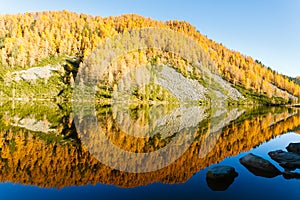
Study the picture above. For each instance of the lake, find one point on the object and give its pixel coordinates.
(51, 151)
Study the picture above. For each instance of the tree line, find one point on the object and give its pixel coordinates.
(26, 39)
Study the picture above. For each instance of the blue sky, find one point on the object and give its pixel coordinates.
(267, 30)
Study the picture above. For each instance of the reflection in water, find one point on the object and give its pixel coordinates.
(165, 135)
(60, 158)
(219, 184)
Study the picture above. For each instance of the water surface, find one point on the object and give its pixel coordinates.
(48, 151)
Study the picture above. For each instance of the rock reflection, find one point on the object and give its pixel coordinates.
(60, 159)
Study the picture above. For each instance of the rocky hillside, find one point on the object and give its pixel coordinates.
(64, 40)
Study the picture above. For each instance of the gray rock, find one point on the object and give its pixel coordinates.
(184, 89)
(287, 160)
(219, 178)
(230, 91)
(259, 166)
(293, 147)
(36, 73)
(219, 172)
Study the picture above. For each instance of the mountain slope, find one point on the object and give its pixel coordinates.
(66, 39)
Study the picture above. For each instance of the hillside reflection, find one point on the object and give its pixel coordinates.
(40, 146)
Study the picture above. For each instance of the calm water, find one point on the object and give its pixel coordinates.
(48, 151)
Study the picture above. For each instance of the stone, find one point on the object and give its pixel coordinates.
(291, 175)
(293, 147)
(287, 160)
(219, 172)
(259, 166)
(219, 178)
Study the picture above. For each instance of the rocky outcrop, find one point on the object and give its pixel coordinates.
(280, 91)
(219, 178)
(184, 89)
(227, 87)
(287, 160)
(259, 166)
(35, 73)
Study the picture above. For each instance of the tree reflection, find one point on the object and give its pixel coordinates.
(60, 158)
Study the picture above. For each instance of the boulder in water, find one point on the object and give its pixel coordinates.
(294, 147)
(259, 166)
(287, 160)
(219, 178)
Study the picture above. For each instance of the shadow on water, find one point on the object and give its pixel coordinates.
(41, 146)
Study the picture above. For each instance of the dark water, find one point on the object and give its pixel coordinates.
(49, 151)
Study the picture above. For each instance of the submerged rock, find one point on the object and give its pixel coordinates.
(293, 147)
(287, 160)
(259, 166)
(219, 178)
(291, 175)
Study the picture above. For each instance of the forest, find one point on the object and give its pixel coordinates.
(61, 37)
